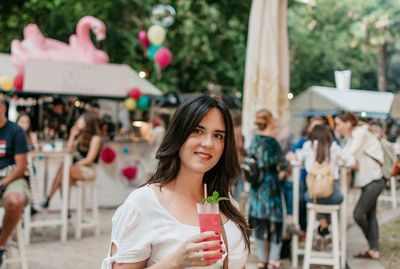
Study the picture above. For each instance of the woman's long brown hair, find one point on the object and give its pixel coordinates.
(220, 177)
(91, 129)
(321, 133)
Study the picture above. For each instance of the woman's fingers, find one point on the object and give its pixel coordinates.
(207, 245)
(202, 236)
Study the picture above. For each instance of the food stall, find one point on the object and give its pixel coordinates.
(109, 84)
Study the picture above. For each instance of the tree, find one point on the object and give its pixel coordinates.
(208, 38)
(325, 37)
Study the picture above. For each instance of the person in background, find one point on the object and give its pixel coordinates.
(365, 147)
(56, 120)
(24, 121)
(320, 148)
(84, 138)
(303, 173)
(158, 224)
(266, 212)
(14, 189)
(155, 137)
(239, 141)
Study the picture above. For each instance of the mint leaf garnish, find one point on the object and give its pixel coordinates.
(214, 198)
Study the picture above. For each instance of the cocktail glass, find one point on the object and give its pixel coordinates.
(210, 221)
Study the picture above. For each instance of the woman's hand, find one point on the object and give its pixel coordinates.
(191, 254)
(290, 156)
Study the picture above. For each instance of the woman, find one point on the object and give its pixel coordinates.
(84, 138)
(24, 121)
(265, 201)
(365, 147)
(320, 148)
(157, 226)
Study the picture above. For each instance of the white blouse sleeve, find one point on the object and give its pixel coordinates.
(132, 235)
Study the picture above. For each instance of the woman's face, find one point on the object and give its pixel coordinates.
(343, 127)
(81, 123)
(204, 147)
(24, 122)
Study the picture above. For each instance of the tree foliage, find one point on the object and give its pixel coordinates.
(328, 36)
(208, 38)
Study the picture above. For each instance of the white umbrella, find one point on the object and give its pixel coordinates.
(267, 65)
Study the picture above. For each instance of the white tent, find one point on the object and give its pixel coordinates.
(97, 80)
(318, 100)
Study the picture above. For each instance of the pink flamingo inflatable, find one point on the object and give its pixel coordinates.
(80, 49)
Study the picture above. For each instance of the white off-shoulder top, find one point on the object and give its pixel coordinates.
(143, 229)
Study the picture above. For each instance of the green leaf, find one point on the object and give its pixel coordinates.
(214, 198)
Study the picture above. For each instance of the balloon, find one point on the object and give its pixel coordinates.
(6, 83)
(130, 103)
(107, 155)
(152, 51)
(19, 81)
(156, 34)
(129, 172)
(163, 57)
(125, 150)
(135, 93)
(143, 103)
(163, 15)
(144, 39)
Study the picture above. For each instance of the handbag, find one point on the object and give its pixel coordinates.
(226, 243)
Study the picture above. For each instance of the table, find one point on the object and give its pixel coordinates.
(66, 155)
(296, 251)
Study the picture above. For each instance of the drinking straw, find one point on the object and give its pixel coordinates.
(205, 190)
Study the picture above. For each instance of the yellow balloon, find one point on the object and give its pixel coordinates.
(156, 34)
(130, 103)
(6, 83)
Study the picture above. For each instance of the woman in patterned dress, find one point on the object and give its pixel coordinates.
(265, 201)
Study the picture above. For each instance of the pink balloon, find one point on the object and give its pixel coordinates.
(129, 172)
(107, 155)
(163, 57)
(144, 40)
(135, 93)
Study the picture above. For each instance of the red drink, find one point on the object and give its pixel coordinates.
(209, 221)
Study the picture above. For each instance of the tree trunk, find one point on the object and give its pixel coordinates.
(382, 66)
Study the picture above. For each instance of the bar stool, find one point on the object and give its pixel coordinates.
(323, 258)
(81, 221)
(21, 259)
(390, 195)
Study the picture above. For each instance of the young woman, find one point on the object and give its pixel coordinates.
(320, 148)
(86, 140)
(365, 147)
(24, 121)
(265, 201)
(157, 226)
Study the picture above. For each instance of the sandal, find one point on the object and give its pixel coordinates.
(262, 265)
(364, 255)
(273, 266)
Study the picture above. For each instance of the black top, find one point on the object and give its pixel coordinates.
(12, 141)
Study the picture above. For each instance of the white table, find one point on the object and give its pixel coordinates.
(63, 220)
(296, 251)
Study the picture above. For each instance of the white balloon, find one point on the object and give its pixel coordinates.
(156, 34)
(163, 15)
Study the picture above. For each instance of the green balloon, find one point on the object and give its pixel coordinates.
(152, 51)
(143, 103)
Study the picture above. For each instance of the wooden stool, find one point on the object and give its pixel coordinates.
(81, 222)
(390, 196)
(319, 257)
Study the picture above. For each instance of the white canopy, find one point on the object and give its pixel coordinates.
(318, 100)
(97, 80)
